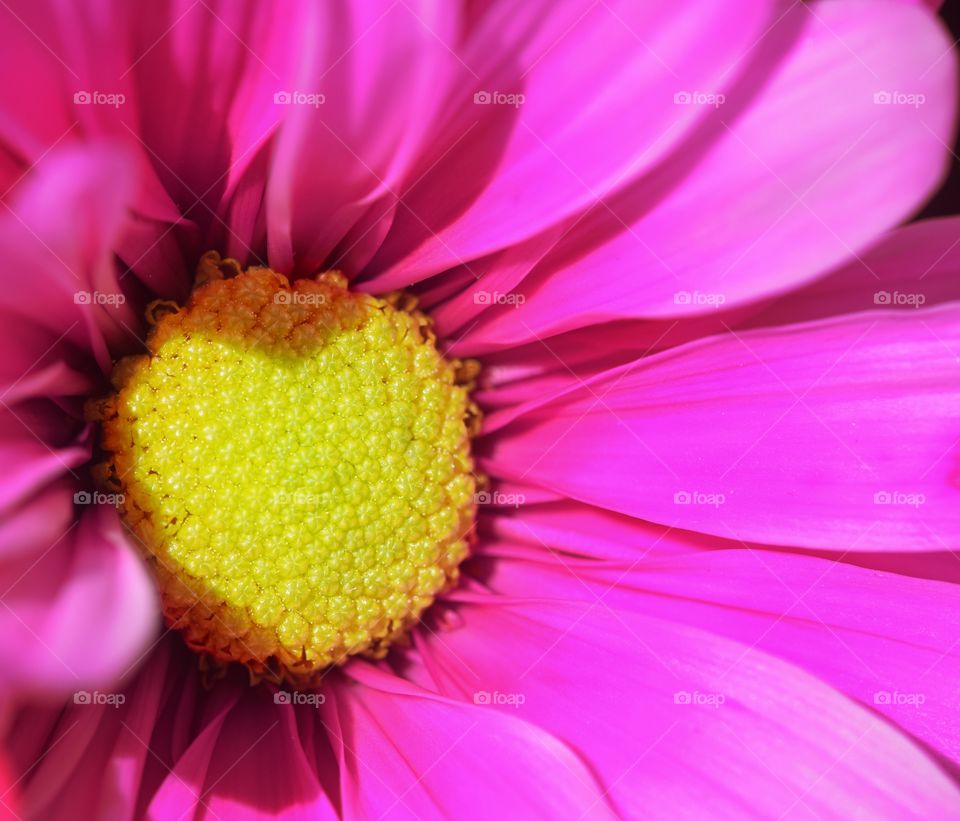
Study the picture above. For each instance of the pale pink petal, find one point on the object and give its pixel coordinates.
(509, 171)
(812, 172)
(840, 435)
(408, 753)
(681, 722)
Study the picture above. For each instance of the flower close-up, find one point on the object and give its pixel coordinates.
(479, 409)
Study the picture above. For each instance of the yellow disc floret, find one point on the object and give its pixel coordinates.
(295, 463)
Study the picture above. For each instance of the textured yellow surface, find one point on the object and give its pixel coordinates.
(295, 462)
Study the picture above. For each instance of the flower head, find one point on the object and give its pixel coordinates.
(697, 557)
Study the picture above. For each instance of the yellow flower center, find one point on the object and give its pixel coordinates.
(294, 460)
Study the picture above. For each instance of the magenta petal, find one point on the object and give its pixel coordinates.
(681, 722)
(817, 166)
(81, 613)
(248, 764)
(378, 72)
(841, 435)
(92, 755)
(37, 523)
(885, 640)
(909, 268)
(511, 171)
(578, 529)
(33, 463)
(58, 238)
(406, 752)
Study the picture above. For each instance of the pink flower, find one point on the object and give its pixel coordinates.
(715, 568)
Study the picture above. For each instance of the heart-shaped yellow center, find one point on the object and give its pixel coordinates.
(294, 461)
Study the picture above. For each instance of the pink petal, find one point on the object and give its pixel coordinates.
(581, 530)
(78, 615)
(194, 87)
(840, 434)
(912, 267)
(885, 640)
(67, 52)
(678, 721)
(507, 172)
(57, 238)
(33, 458)
(222, 772)
(172, 748)
(382, 70)
(96, 755)
(812, 172)
(37, 523)
(208, 133)
(405, 752)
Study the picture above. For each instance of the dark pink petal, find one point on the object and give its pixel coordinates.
(841, 434)
(405, 752)
(824, 160)
(248, 764)
(379, 72)
(38, 449)
(95, 755)
(192, 96)
(167, 746)
(679, 721)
